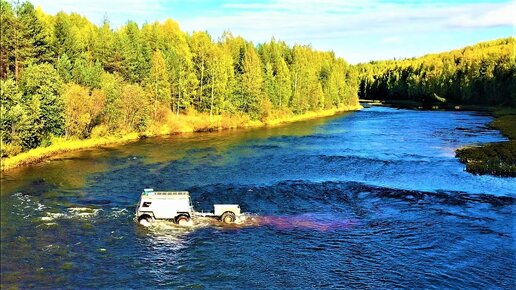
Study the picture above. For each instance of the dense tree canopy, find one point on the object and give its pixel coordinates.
(483, 74)
(61, 75)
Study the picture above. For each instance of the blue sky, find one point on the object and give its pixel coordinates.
(355, 30)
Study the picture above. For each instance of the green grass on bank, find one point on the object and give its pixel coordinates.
(494, 158)
(506, 122)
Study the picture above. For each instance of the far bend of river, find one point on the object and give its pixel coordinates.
(369, 199)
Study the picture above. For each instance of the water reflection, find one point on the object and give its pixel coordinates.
(70, 170)
(368, 199)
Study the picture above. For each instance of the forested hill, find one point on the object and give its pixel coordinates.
(482, 74)
(63, 76)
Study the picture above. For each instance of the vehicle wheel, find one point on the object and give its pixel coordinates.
(228, 217)
(182, 220)
(145, 220)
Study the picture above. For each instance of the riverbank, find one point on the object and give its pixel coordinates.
(494, 158)
(416, 105)
(175, 125)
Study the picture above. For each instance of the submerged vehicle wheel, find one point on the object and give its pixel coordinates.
(182, 220)
(145, 220)
(228, 217)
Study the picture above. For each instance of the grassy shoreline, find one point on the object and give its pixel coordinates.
(494, 158)
(187, 124)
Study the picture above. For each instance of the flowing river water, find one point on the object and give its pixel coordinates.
(368, 199)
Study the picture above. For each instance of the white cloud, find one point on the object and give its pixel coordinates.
(307, 21)
(500, 16)
(326, 24)
(118, 11)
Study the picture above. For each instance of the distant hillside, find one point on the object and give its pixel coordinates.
(482, 74)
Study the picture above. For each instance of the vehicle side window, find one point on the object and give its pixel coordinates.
(146, 204)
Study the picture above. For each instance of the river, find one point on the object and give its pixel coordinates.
(368, 199)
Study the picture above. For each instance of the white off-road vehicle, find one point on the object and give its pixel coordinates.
(176, 206)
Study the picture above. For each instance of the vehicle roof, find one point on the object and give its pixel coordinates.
(165, 193)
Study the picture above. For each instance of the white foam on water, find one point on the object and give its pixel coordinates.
(445, 151)
(118, 212)
(169, 234)
(172, 231)
(51, 217)
(25, 206)
(50, 247)
(82, 213)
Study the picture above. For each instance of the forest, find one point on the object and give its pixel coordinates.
(64, 77)
(482, 74)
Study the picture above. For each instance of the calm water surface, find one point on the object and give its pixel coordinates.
(371, 199)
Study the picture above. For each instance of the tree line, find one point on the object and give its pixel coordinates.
(482, 74)
(63, 76)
